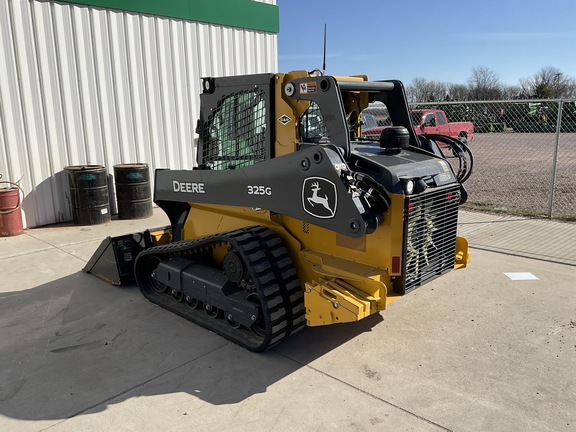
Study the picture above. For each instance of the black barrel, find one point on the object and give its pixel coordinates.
(89, 194)
(133, 190)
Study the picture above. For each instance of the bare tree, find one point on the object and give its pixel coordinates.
(458, 92)
(549, 83)
(423, 90)
(512, 92)
(484, 84)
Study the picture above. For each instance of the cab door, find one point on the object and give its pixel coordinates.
(442, 126)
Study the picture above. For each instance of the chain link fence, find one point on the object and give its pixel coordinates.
(524, 155)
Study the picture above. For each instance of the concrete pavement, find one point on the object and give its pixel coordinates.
(471, 351)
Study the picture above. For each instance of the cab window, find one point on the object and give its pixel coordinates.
(312, 127)
(440, 119)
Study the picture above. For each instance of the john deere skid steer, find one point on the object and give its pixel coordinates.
(291, 218)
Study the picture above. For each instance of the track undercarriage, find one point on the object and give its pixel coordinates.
(241, 285)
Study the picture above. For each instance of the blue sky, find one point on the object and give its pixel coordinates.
(440, 40)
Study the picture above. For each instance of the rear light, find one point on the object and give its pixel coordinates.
(449, 196)
(408, 186)
(410, 208)
(395, 264)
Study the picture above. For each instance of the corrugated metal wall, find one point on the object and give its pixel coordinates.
(84, 85)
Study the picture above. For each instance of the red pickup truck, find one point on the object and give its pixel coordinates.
(432, 121)
(429, 121)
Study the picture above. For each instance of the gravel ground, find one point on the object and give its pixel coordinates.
(513, 172)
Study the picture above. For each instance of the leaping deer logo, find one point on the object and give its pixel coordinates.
(318, 203)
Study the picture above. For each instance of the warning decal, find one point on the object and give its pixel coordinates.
(309, 87)
(284, 119)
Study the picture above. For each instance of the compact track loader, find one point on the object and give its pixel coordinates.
(291, 218)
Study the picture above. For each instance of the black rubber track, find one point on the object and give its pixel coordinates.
(270, 274)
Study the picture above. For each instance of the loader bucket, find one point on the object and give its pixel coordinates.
(113, 261)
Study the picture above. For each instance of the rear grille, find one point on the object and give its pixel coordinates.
(431, 220)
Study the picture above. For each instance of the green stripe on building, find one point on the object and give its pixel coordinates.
(247, 14)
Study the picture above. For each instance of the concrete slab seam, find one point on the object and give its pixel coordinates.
(520, 255)
(419, 417)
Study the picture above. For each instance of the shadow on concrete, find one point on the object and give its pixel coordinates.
(77, 345)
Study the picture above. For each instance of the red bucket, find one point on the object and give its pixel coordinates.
(10, 214)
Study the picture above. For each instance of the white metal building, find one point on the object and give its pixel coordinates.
(114, 81)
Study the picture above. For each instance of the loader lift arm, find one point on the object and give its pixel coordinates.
(275, 186)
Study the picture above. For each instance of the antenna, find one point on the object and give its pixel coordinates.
(324, 62)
